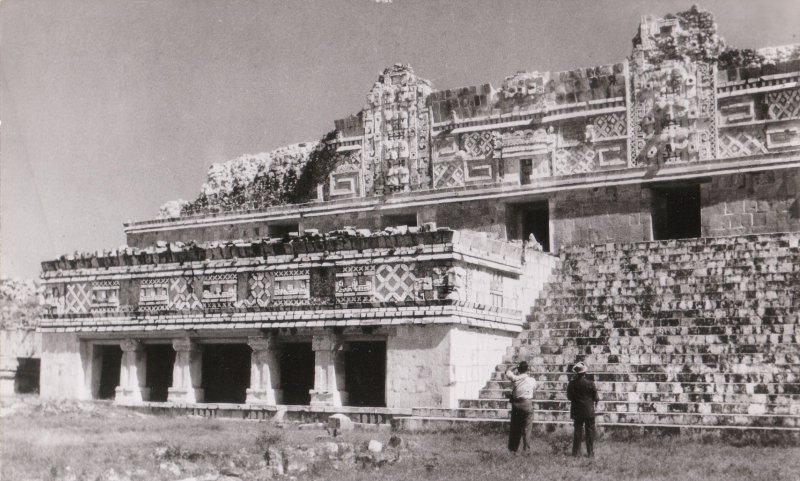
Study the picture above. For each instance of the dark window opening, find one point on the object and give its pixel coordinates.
(297, 372)
(226, 373)
(158, 372)
(676, 212)
(110, 359)
(365, 373)
(532, 218)
(279, 231)
(26, 380)
(525, 171)
(395, 220)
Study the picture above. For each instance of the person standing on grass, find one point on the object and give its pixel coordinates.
(521, 407)
(583, 399)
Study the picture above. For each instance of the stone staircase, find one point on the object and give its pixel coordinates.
(693, 333)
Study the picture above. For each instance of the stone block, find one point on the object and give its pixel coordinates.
(339, 423)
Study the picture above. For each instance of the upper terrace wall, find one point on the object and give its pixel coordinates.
(680, 105)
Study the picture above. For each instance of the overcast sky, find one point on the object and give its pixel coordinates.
(109, 108)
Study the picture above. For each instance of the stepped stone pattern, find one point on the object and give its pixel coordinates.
(695, 332)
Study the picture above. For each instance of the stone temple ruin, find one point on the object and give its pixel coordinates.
(642, 217)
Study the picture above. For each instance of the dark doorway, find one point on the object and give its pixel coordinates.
(26, 381)
(110, 359)
(226, 373)
(676, 212)
(279, 231)
(297, 372)
(365, 373)
(158, 372)
(531, 218)
(395, 220)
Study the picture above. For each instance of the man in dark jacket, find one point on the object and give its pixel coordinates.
(583, 398)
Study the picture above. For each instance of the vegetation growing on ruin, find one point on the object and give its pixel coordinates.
(49, 441)
(20, 303)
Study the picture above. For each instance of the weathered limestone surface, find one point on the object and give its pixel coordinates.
(66, 367)
(132, 387)
(264, 371)
(187, 372)
(328, 370)
(415, 360)
(752, 203)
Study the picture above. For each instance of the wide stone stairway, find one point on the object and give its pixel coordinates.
(677, 334)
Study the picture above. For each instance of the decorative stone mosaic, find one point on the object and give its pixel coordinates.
(576, 160)
(784, 104)
(153, 294)
(742, 143)
(478, 144)
(259, 286)
(394, 282)
(448, 174)
(78, 298)
(607, 126)
(291, 287)
(182, 295)
(219, 290)
(355, 283)
(105, 296)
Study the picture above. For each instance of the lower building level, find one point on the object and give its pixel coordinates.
(395, 367)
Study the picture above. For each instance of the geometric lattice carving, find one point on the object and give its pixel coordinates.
(784, 104)
(608, 125)
(78, 298)
(182, 295)
(394, 282)
(576, 160)
(258, 289)
(741, 143)
(478, 144)
(448, 174)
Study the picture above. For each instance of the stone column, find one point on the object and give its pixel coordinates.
(8, 374)
(132, 386)
(328, 370)
(186, 375)
(264, 372)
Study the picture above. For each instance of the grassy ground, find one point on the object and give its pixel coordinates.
(42, 441)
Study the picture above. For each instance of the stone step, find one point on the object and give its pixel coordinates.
(721, 378)
(784, 404)
(416, 424)
(664, 387)
(534, 333)
(475, 409)
(470, 413)
(649, 421)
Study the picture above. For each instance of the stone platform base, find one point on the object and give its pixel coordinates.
(420, 424)
(365, 415)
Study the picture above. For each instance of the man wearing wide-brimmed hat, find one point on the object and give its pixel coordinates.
(583, 398)
(521, 407)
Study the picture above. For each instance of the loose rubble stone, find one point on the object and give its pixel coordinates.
(339, 423)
